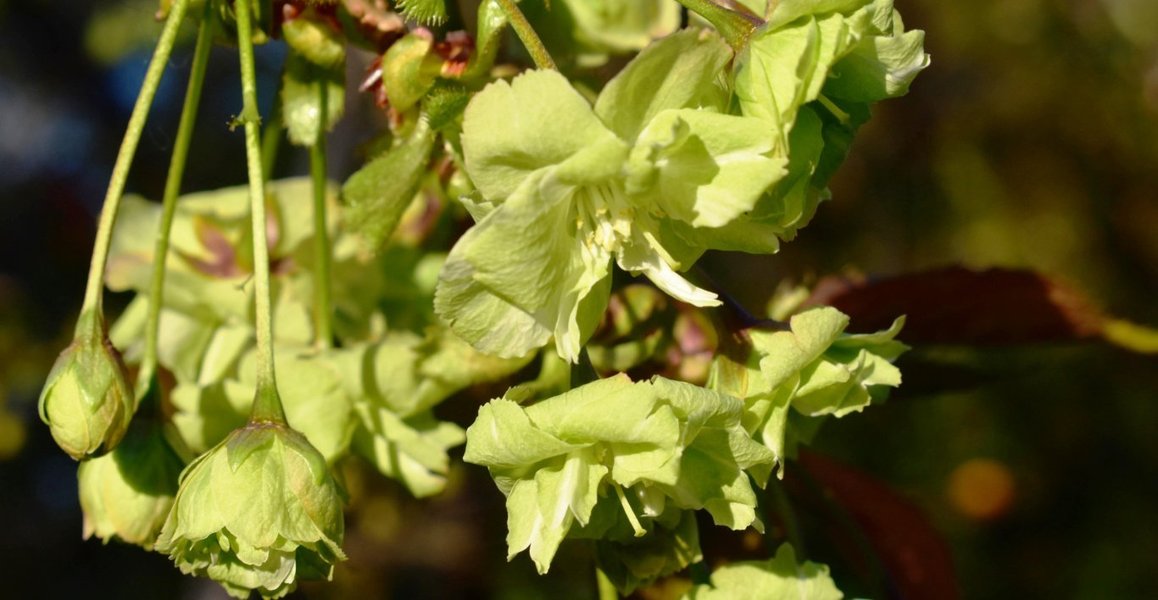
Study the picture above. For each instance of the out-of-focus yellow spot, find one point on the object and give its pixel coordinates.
(981, 489)
(12, 434)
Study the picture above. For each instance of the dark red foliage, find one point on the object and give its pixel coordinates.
(956, 305)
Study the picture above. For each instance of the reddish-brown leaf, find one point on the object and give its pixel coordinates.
(915, 557)
(956, 305)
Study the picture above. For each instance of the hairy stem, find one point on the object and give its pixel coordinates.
(169, 199)
(527, 34)
(266, 404)
(324, 316)
(93, 295)
(736, 27)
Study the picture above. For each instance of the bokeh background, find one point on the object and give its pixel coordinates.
(1031, 142)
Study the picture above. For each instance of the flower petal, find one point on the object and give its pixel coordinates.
(511, 130)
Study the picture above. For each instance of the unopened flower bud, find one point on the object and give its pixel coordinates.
(127, 493)
(87, 402)
(316, 36)
(257, 513)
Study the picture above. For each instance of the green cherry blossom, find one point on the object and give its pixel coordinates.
(564, 189)
(256, 513)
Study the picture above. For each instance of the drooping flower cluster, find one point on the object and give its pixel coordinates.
(697, 144)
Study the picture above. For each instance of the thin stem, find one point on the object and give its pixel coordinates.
(93, 295)
(324, 316)
(266, 404)
(169, 200)
(736, 27)
(527, 34)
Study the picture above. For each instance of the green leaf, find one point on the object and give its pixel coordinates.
(379, 192)
(779, 578)
(313, 99)
(679, 71)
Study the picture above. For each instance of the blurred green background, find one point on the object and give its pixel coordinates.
(1031, 141)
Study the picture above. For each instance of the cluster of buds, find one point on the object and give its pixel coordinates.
(261, 510)
(258, 512)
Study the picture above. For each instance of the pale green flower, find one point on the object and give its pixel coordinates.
(257, 513)
(812, 370)
(566, 188)
(127, 493)
(638, 449)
